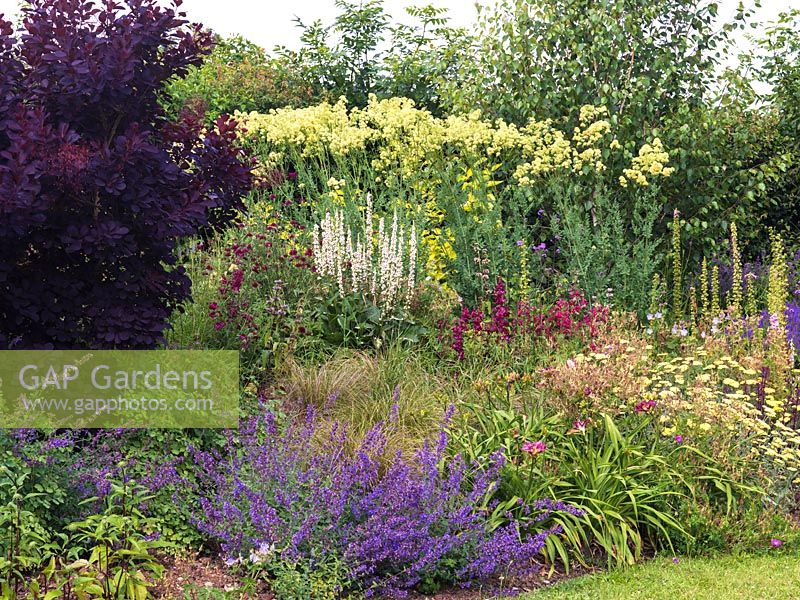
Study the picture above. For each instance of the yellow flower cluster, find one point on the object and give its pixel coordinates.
(313, 131)
(545, 150)
(438, 244)
(651, 162)
(726, 402)
(437, 240)
(400, 140)
(587, 138)
(478, 187)
(402, 146)
(778, 289)
(336, 191)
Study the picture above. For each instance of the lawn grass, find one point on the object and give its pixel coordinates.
(728, 578)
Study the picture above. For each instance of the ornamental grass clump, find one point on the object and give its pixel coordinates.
(287, 493)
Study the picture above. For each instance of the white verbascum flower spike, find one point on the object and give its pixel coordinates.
(382, 267)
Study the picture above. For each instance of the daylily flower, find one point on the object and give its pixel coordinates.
(644, 406)
(579, 426)
(534, 448)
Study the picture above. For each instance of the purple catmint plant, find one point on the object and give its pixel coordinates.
(792, 314)
(394, 521)
(86, 461)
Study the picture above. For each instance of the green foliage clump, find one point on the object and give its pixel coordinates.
(118, 543)
(238, 76)
(106, 556)
(609, 250)
(347, 58)
(640, 59)
(618, 471)
(653, 65)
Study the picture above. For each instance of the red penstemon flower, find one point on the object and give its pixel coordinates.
(567, 317)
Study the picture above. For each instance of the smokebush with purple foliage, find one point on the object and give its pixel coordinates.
(96, 188)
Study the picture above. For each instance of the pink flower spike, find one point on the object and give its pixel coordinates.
(776, 543)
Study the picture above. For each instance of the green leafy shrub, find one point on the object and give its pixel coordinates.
(254, 291)
(238, 76)
(654, 66)
(610, 250)
(118, 543)
(353, 322)
(25, 544)
(298, 581)
(363, 52)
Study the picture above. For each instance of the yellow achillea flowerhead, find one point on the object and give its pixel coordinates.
(726, 402)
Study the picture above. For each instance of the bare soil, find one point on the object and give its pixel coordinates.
(203, 578)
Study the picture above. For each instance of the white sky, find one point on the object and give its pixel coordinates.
(269, 22)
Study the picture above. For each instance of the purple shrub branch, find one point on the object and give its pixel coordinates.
(96, 188)
(394, 522)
